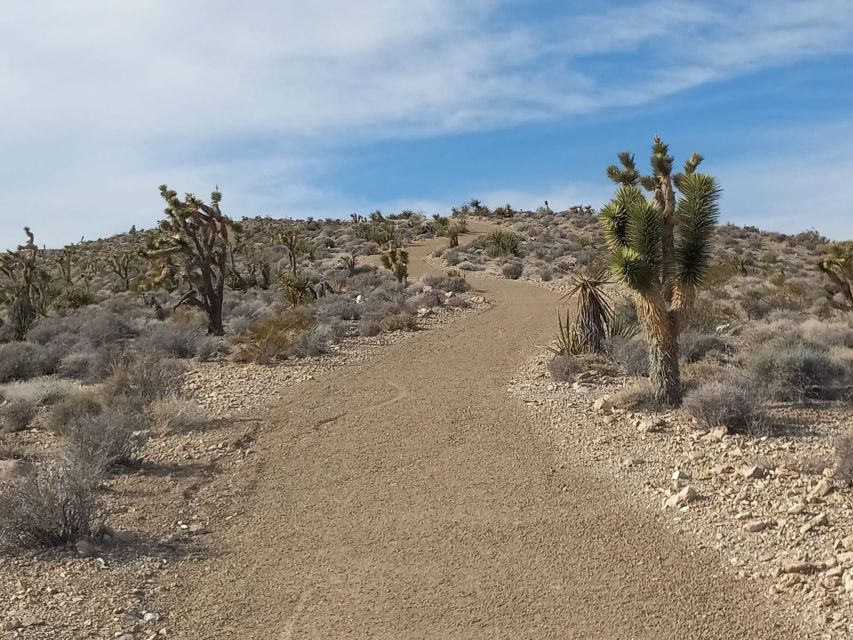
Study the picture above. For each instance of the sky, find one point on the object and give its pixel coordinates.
(332, 107)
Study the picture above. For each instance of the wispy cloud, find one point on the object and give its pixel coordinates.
(105, 100)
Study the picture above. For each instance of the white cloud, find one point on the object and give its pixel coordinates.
(105, 100)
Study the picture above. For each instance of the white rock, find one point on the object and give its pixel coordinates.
(823, 489)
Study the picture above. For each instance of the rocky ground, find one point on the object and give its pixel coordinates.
(159, 513)
(769, 505)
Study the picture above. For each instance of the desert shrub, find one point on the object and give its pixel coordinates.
(755, 306)
(631, 354)
(793, 369)
(732, 401)
(16, 415)
(24, 360)
(335, 306)
(274, 337)
(455, 282)
(500, 243)
(72, 409)
(429, 299)
(400, 321)
(172, 415)
(54, 505)
(172, 340)
(695, 346)
(512, 270)
(111, 438)
(76, 365)
(105, 328)
(369, 327)
(143, 379)
(564, 369)
(452, 257)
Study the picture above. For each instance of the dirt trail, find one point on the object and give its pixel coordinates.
(410, 498)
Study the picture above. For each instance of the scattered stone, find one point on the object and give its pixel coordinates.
(12, 624)
(756, 526)
(687, 494)
(754, 472)
(823, 489)
(85, 549)
(818, 521)
(602, 405)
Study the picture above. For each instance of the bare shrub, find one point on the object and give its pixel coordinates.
(171, 340)
(39, 391)
(54, 505)
(24, 360)
(105, 327)
(16, 415)
(144, 379)
(72, 409)
(112, 438)
(695, 346)
(400, 321)
(734, 402)
(275, 337)
(369, 327)
(564, 369)
(632, 354)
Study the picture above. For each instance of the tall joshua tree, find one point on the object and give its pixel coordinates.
(660, 249)
(202, 235)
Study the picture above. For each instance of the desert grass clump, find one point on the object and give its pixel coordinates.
(16, 415)
(734, 402)
(639, 396)
(175, 415)
(500, 243)
(794, 369)
(55, 504)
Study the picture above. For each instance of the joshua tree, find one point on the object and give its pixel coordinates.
(661, 249)
(295, 245)
(123, 264)
(26, 286)
(397, 260)
(202, 235)
(838, 267)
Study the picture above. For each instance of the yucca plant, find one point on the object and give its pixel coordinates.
(295, 288)
(569, 342)
(660, 249)
(594, 311)
(501, 242)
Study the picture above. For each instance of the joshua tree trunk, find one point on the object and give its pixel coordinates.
(662, 329)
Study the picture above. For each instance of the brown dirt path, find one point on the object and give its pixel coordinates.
(410, 498)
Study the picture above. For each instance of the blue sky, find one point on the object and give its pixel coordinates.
(330, 107)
